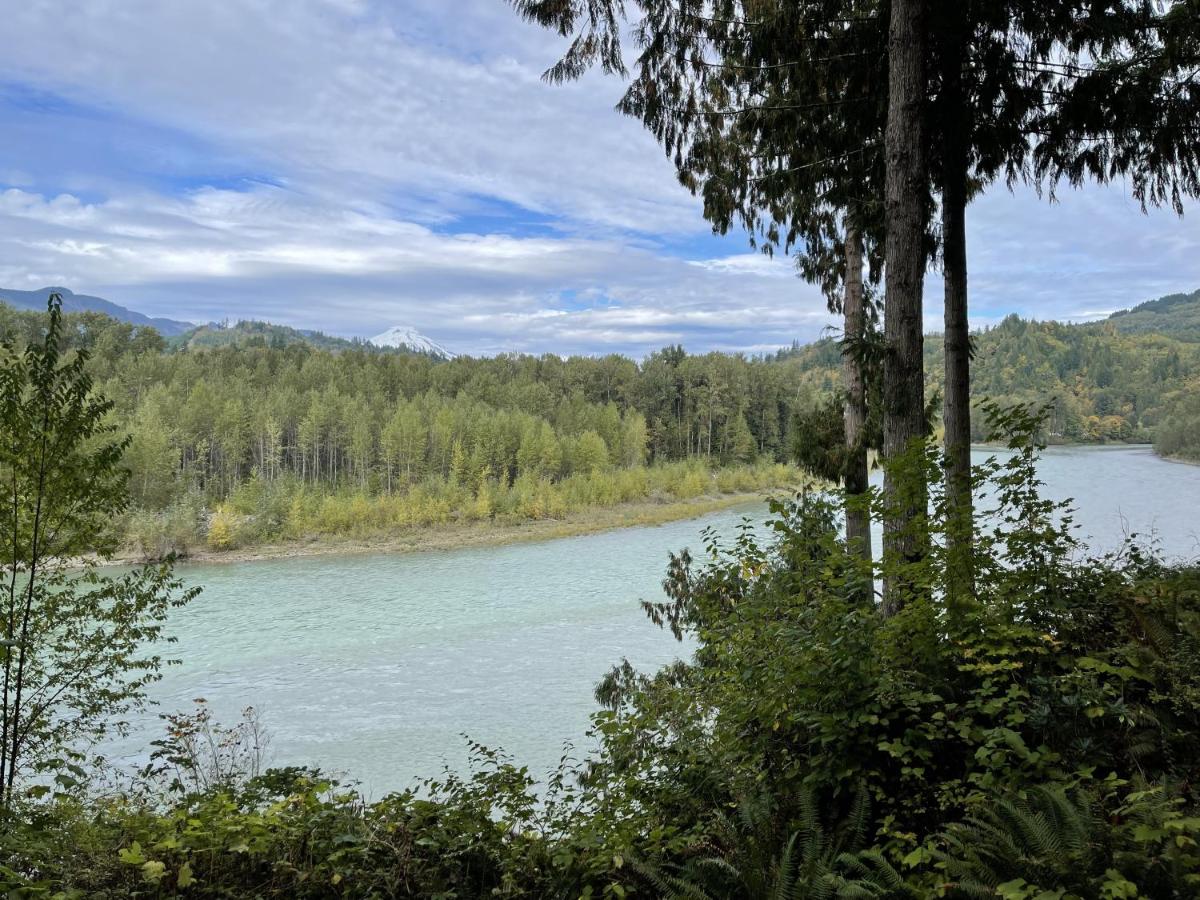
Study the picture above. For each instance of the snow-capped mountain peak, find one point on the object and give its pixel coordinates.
(411, 339)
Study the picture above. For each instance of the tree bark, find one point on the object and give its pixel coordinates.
(858, 516)
(956, 410)
(905, 222)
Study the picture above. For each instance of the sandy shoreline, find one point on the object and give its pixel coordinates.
(1180, 460)
(478, 534)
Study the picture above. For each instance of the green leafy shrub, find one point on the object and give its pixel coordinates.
(176, 530)
(1060, 670)
(1049, 842)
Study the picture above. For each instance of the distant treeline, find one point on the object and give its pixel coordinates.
(272, 429)
(262, 430)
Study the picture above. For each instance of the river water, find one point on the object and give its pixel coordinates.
(377, 665)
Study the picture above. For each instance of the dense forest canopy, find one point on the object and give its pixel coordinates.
(1176, 315)
(277, 428)
(1131, 377)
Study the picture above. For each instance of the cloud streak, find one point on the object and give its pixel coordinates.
(357, 274)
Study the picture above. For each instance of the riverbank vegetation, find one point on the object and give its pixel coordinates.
(240, 445)
(256, 443)
(287, 514)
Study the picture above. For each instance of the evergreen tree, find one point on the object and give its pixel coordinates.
(773, 113)
(1103, 88)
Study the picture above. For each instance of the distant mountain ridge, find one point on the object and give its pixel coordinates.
(403, 337)
(1175, 315)
(72, 302)
(250, 331)
(189, 335)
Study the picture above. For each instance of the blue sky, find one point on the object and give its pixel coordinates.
(349, 165)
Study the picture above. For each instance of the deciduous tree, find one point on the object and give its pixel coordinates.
(75, 643)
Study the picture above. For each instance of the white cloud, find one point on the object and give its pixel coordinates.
(418, 170)
(351, 104)
(354, 273)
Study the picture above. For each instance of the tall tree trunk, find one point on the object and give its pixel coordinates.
(956, 410)
(905, 222)
(858, 516)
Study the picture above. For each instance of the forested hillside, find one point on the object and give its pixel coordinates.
(1176, 315)
(35, 301)
(257, 334)
(1132, 377)
(1103, 384)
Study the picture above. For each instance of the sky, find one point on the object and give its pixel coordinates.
(349, 165)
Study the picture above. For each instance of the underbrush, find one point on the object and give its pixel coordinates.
(262, 512)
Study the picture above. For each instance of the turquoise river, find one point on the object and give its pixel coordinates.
(379, 666)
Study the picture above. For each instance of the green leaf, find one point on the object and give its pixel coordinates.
(1147, 833)
(132, 855)
(184, 879)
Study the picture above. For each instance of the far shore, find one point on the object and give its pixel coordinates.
(1065, 445)
(1182, 460)
(456, 536)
